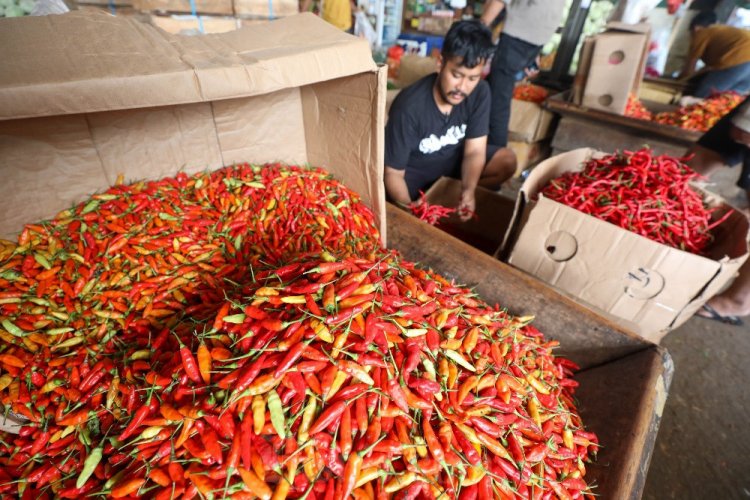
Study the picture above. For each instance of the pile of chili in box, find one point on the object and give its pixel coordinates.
(644, 193)
(242, 334)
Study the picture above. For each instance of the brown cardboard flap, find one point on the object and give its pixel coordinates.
(145, 67)
(621, 273)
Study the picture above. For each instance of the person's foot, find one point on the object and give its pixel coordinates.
(709, 312)
(725, 310)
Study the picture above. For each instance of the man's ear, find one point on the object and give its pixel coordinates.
(439, 62)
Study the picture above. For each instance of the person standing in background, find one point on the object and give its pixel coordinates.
(726, 52)
(529, 24)
(335, 12)
(727, 144)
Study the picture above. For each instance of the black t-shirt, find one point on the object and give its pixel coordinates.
(425, 142)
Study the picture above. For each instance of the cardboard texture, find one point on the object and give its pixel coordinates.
(636, 280)
(624, 379)
(191, 25)
(102, 95)
(616, 66)
(528, 154)
(266, 8)
(222, 7)
(529, 122)
(494, 212)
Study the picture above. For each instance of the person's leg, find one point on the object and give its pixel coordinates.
(501, 165)
(511, 56)
(735, 301)
(735, 78)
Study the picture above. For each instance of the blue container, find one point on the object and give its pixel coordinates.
(431, 41)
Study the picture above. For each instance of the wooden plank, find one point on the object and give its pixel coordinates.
(559, 104)
(574, 132)
(586, 338)
(622, 402)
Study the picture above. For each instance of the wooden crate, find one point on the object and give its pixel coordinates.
(624, 379)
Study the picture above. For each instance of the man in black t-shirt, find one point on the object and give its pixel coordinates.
(439, 125)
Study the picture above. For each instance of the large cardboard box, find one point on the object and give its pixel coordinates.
(494, 212)
(616, 66)
(221, 7)
(624, 379)
(529, 121)
(644, 285)
(86, 96)
(194, 25)
(266, 8)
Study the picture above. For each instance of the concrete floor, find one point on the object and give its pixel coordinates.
(703, 447)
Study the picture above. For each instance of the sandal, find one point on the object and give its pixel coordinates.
(711, 313)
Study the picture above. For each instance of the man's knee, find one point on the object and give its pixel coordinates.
(506, 162)
(499, 169)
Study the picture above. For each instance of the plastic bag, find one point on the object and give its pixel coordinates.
(363, 28)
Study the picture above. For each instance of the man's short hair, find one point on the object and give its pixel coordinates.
(703, 19)
(469, 40)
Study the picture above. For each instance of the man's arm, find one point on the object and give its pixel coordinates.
(492, 9)
(475, 152)
(395, 185)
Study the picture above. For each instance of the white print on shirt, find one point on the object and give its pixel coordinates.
(433, 143)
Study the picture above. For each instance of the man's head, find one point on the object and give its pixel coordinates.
(740, 131)
(466, 48)
(703, 19)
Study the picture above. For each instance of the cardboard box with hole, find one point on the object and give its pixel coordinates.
(643, 285)
(613, 66)
(494, 212)
(100, 95)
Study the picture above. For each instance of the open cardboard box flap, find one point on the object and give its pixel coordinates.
(86, 96)
(83, 62)
(642, 283)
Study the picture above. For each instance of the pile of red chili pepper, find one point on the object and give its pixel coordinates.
(530, 92)
(428, 212)
(703, 115)
(636, 109)
(647, 194)
(241, 334)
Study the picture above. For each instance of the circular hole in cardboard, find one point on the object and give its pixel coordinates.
(616, 57)
(643, 284)
(606, 100)
(561, 246)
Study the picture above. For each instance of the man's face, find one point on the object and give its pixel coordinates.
(456, 82)
(740, 136)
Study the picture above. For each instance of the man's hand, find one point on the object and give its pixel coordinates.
(467, 205)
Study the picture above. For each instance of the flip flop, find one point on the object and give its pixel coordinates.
(711, 313)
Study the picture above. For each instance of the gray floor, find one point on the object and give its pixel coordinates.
(703, 447)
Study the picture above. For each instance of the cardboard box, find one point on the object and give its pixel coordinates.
(438, 25)
(413, 67)
(220, 7)
(266, 8)
(528, 154)
(645, 285)
(529, 121)
(195, 25)
(98, 95)
(624, 379)
(616, 66)
(494, 212)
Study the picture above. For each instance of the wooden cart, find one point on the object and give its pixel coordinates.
(583, 127)
(624, 379)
